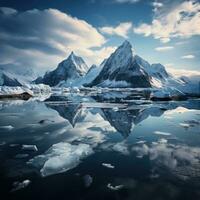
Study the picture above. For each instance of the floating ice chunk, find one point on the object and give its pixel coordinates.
(115, 108)
(154, 143)
(87, 180)
(20, 185)
(29, 147)
(9, 127)
(108, 165)
(141, 142)
(117, 187)
(61, 157)
(162, 133)
(162, 141)
(184, 125)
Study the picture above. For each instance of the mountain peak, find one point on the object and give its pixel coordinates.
(125, 48)
(126, 44)
(72, 54)
(122, 55)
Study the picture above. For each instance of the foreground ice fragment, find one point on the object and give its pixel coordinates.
(61, 157)
(108, 165)
(29, 147)
(117, 187)
(20, 185)
(162, 133)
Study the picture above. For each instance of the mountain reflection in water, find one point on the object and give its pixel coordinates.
(148, 144)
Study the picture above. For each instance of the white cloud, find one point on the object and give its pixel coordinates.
(96, 56)
(181, 21)
(156, 5)
(183, 72)
(41, 38)
(188, 56)
(169, 64)
(121, 30)
(126, 1)
(164, 48)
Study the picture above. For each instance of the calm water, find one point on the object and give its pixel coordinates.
(153, 148)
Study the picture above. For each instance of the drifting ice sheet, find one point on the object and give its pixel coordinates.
(61, 157)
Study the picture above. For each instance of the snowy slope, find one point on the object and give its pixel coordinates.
(89, 77)
(121, 70)
(72, 68)
(9, 79)
(23, 74)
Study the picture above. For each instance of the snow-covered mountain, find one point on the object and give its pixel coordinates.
(91, 74)
(68, 70)
(13, 75)
(122, 70)
(159, 77)
(8, 79)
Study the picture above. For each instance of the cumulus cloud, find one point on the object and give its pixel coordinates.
(121, 30)
(41, 38)
(190, 56)
(183, 72)
(164, 48)
(183, 21)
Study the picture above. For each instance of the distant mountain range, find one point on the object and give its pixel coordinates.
(122, 69)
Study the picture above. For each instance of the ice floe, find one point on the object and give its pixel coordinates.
(117, 187)
(61, 157)
(141, 142)
(20, 185)
(108, 165)
(184, 125)
(29, 147)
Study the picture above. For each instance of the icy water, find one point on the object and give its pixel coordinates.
(100, 146)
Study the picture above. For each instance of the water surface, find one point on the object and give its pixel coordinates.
(154, 147)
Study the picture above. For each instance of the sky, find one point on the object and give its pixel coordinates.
(39, 34)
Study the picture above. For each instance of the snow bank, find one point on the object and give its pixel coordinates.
(6, 90)
(61, 157)
(38, 88)
(29, 88)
